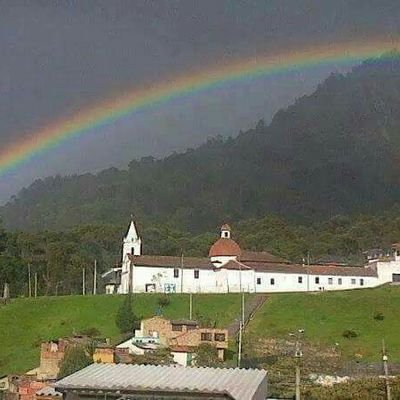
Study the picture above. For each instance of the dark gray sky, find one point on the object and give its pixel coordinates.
(57, 56)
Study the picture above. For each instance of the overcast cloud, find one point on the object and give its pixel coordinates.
(57, 56)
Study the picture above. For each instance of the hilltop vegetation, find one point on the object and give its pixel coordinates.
(332, 152)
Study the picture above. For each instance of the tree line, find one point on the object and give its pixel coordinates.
(59, 258)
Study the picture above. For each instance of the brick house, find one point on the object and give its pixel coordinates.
(183, 334)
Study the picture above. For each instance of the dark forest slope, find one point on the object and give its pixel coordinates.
(335, 151)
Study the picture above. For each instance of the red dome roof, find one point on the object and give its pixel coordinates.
(224, 247)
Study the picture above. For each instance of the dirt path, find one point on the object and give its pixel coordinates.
(251, 306)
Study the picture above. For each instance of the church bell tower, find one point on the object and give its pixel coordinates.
(132, 243)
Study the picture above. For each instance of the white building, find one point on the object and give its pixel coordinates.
(230, 269)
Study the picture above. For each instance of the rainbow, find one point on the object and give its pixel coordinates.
(104, 112)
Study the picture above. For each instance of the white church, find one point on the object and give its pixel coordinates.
(229, 269)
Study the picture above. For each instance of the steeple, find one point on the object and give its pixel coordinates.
(225, 231)
(132, 243)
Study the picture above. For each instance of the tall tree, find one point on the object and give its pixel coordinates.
(75, 358)
(126, 319)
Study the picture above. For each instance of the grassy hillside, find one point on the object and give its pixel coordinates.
(325, 316)
(25, 323)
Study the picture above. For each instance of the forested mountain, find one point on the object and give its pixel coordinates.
(333, 152)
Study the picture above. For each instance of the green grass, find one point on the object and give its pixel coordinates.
(325, 316)
(25, 323)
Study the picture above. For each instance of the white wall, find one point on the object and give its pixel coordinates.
(386, 270)
(180, 358)
(131, 347)
(284, 282)
(125, 274)
(162, 277)
(228, 281)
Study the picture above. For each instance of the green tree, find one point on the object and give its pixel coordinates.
(75, 358)
(207, 356)
(125, 318)
(3, 238)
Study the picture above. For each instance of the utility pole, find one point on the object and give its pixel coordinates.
(83, 282)
(385, 368)
(182, 272)
(308, 270)
(29, 281)
(190, 306)
(241, 321)
(297, 378)
(36, 282)
(239, 360)
(242, 309)
(298, 355)
(95, 277)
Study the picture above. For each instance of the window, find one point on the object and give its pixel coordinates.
(361, 282)
(330, 281)
(339, 281)
(196, 274)
(132, 250)
(317, 280)
(219, 337)
(177, 328)
(353, 281)
(272, 281)
(206, 337)
(176, 273)
(300, 279)
(258, 281)
(226, 234)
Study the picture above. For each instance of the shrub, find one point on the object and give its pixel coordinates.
(207, 356)
(90, 332)
(164, 300)
(161, 356)
(378, 316)
(349, 334)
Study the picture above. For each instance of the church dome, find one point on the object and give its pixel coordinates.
(224, 247)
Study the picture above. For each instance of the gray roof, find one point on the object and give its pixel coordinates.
(240, 384)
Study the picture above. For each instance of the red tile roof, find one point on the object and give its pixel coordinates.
(224, 247)
(182, 349)
(260, 256)
(172, 262)
(260, 266)
(233, 264)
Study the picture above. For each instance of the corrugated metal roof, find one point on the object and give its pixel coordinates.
(241, 384)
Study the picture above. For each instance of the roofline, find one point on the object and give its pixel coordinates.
(120, 391)
(259, 268)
